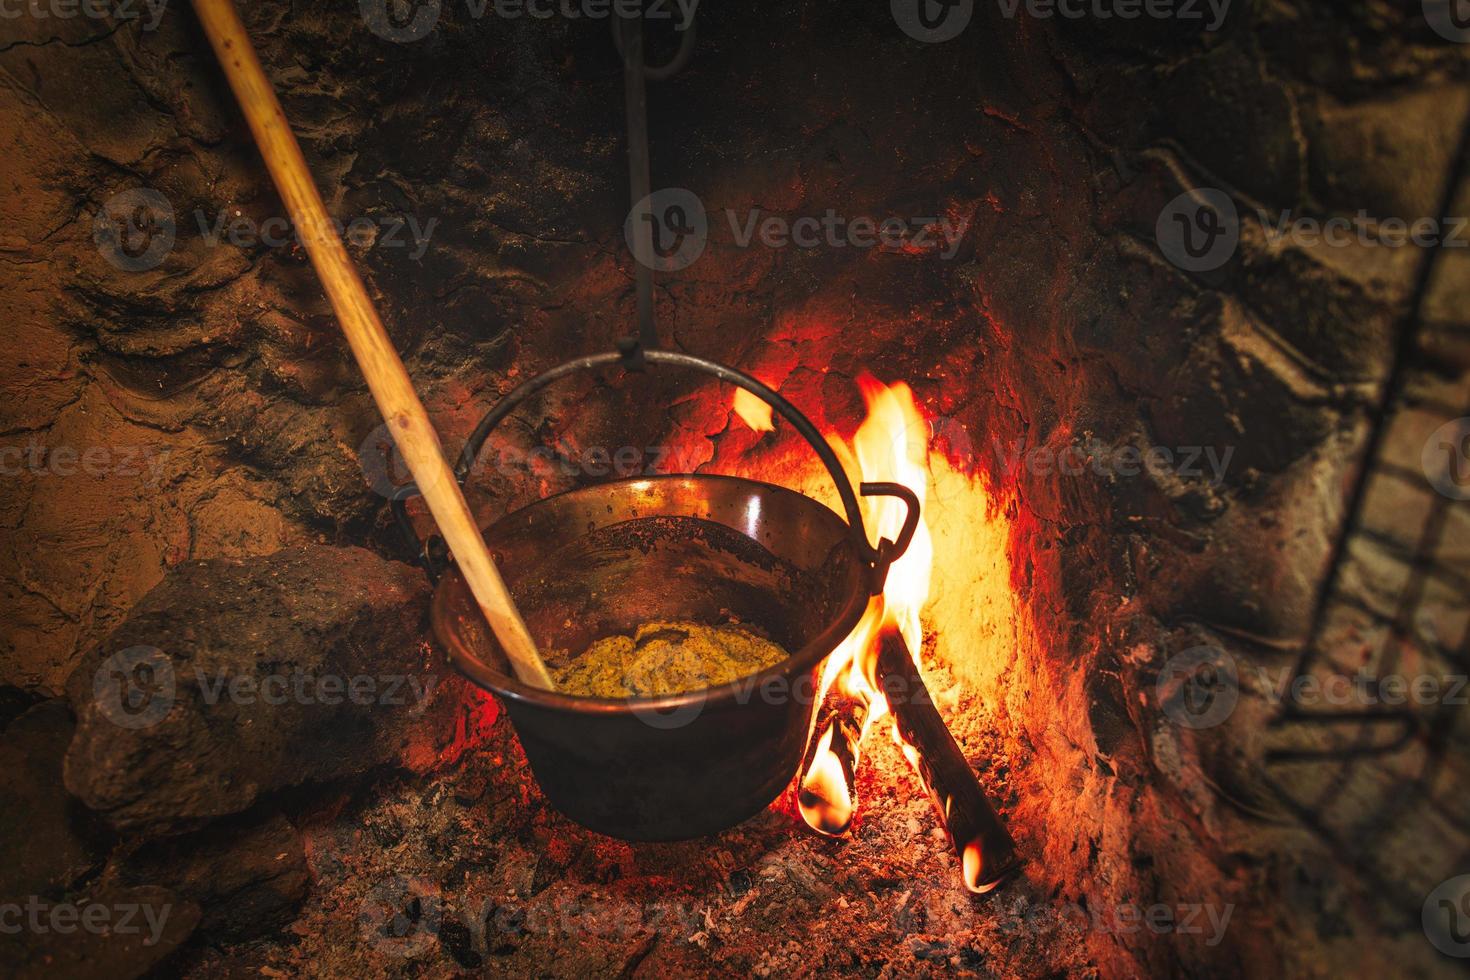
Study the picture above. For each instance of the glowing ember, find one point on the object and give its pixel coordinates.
(753, 411)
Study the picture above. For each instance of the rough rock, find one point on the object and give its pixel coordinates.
(247, 877)
(47, 840)
(233, 679)
(107, 934)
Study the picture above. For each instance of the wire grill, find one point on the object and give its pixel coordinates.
(1365, 758)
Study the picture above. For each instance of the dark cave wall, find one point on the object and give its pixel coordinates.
(1057, 322)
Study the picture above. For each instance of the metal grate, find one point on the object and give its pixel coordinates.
(1378, 766)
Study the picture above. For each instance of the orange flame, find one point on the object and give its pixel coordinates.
(826, 801)
(753, 411)
(891, 445)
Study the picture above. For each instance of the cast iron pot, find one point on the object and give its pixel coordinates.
(606, 559)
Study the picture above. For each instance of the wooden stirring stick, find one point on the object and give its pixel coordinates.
(386, 376)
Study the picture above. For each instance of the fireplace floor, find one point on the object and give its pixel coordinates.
(472, 870)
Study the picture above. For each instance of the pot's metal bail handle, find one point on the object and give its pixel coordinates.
(430, 554)
(433, 558)
(887, 551)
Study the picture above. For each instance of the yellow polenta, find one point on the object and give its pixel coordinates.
(667, 658)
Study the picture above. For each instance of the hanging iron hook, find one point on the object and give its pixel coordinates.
(670, 68)
(628, 38)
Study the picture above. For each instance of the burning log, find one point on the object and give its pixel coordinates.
(828, 794)
(986, 851)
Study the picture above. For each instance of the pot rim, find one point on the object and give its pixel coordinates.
(798, 662)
